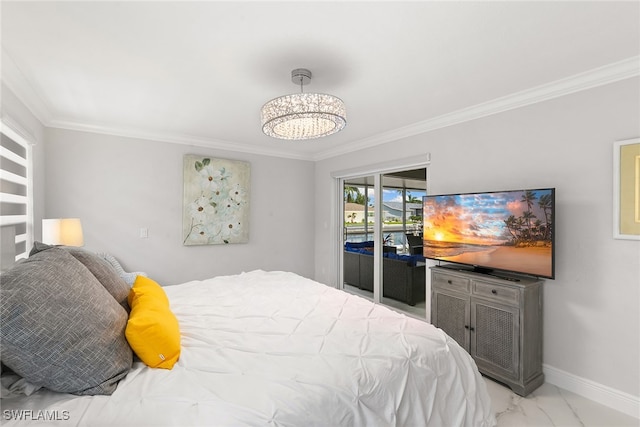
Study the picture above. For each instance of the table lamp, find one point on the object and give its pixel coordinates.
(62, 231)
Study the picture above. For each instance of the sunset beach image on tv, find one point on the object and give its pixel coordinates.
(508, 230)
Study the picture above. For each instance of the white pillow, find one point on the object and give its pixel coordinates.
(12, 384)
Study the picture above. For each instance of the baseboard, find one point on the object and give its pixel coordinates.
(615, 399)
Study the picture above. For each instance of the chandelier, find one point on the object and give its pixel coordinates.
(303, 115)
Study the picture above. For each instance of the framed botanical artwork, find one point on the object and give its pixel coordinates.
(626, 189)
(216, 201)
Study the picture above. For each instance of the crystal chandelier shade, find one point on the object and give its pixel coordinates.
(303, 115)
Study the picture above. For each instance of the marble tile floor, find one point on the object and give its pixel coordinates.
(549, 405)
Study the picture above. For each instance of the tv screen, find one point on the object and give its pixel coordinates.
(505, 230)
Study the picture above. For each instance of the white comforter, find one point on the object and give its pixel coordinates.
(273, 348)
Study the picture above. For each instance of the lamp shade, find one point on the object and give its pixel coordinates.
(301, 115)
(62, 231)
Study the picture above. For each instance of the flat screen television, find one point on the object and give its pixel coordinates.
(512, 231)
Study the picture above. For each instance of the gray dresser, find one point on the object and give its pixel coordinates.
(498, 320)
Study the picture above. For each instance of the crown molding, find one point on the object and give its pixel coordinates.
(14, 126)
(600, 76)
(617, 71)
(180, 139)
(16, 81)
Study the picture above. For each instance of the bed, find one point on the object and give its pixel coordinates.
(274, 348)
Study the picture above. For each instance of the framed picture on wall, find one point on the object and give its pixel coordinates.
(216, 201)
(626, 189)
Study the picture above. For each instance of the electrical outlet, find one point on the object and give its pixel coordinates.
(144, 233)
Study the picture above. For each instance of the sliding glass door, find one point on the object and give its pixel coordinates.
(381, 239)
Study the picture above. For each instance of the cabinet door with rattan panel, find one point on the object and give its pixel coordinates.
(495, 341)
(450, 312)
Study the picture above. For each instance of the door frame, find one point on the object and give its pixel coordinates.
(376, 171)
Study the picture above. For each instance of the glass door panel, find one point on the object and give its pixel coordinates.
(403, 267)
(358, 232)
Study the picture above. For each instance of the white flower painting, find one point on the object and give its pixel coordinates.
(216, 201)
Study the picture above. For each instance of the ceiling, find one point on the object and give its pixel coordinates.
(198, 72)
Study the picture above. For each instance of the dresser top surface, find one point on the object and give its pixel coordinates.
(497, 277)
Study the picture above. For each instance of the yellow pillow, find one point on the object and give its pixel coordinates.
(152, 330)
(142, 287)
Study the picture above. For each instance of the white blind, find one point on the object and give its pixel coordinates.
(16, 206)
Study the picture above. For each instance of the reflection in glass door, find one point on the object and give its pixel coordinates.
(358, 215)
(403, 267)
(358, 235)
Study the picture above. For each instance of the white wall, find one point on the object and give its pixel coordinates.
(591, 310)
(118, 185)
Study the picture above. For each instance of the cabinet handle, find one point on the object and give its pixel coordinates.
(493, 291)
(466, 326)
(449, 281)
(472, 329)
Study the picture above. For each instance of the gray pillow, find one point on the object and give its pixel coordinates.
(99, 267)
(61, 329)
(105, 273)
(129, 278)
(39, 247)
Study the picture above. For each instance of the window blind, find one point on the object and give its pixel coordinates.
(16, 201)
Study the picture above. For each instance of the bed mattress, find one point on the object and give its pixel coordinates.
(273, 348)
